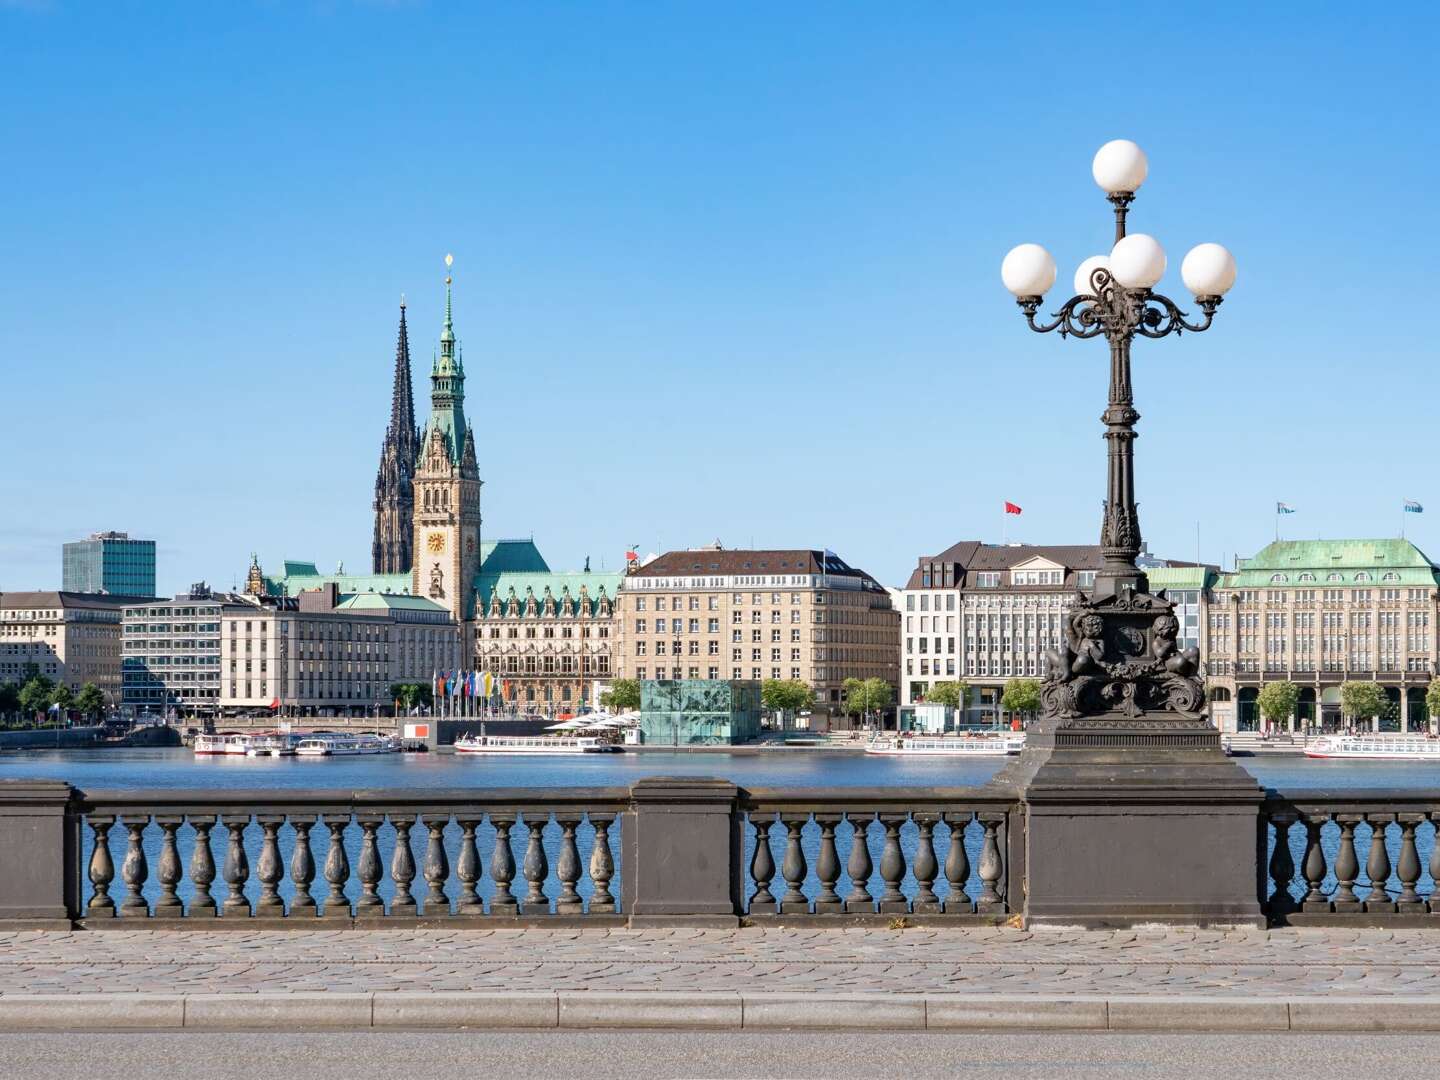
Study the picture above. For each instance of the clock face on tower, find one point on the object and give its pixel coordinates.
(435, 543)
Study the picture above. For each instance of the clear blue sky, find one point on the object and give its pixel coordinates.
(722, 270)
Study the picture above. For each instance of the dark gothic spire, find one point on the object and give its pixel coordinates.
(402, 401)
(394, 495)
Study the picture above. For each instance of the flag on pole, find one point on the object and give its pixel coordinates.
(1413, 507)
(1011, 508)
(1284, 508)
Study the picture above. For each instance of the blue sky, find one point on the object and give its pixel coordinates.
(722, 271)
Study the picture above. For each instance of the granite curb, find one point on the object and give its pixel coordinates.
(397, 1010)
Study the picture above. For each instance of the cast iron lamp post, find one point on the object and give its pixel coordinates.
(1119, 653)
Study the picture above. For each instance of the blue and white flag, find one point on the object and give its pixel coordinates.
(1413, 507)
(1284, 508)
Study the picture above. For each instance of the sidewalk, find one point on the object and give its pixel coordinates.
(991, 978)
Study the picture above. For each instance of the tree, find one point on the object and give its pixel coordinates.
(63, 699)
(1362, 700)
(9, 699)
(35, 695)
(1021, 695)
(90, 701)
(1432, 698)
(1277, 701)
(864, 697)
(949, 693)
(786, 696)
(623, 695)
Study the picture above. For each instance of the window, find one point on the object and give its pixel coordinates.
(1278, 579)
(1362, 576)
(988, 580)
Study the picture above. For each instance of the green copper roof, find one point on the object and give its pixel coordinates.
(498, 556)
(525, 584)
(388, 602)
(293, 584)
(1333, 563)
(1181, 577)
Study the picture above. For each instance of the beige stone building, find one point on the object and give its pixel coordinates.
(72, 638)
(756, 615)
(1318, 613)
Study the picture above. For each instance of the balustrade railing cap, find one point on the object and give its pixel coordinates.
(682, 789)
(34, 790)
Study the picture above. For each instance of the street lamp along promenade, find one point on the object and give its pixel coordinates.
(1118, 654)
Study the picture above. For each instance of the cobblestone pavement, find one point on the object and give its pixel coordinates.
(1292, 962)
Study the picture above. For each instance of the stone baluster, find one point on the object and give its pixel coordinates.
(237, 866)
(892, 867)
(1434, 866)
(337, 868)
(762, 864)
(270, 868)
(134, 870)
(368, 904)
(1314, 867)
(926, 867)
(202, 868)
(992, 866)
(957, 865)
(537, 866)
(168, 873)
(402, 868)
(1409, 901)
(469, 870)
(502, 867)
(1347, 866)
(827, 869)
(437, 866)
(302, 866)
(102, 870)
(859, 865)
(568, 870)
(794, 868)
(602, 867)
(1377, 864)
(1282, 867)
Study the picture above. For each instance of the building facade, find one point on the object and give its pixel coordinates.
(71, 638)
(392, 551)
(170, 653)
(712, 614)
(109, 562)
(1319, 613)
(987, 613)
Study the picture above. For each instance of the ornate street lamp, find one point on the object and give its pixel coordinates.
(1118, 655)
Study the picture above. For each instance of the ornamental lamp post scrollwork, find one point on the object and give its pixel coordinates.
(1118, 654)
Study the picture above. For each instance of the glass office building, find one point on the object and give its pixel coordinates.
(686, 712)
(110, 562)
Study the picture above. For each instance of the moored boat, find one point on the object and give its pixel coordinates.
(232, 743)
(1375, 747)
(910, 745)
(336, 745)
(534, 744)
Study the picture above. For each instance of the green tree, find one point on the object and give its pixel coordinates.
(1021, 696)
(90, 701)
(62, 698)
(786, 696)
(623, 695)
(1362, 700)
(1432, 698)
(411, 694)
(949, 693)
(9, 699)
(35, 695)
(1277, 701)
(867, 697)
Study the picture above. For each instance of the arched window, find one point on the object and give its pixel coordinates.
(1392, 576)
(1362, 576)
(1278, 579)
(1307, 577)
(1220, 693)
(1334, 577)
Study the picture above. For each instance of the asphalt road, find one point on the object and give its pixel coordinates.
(656, 1055)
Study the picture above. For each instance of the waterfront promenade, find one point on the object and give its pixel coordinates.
(770, 978)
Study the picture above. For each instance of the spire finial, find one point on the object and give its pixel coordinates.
(402, 301)
(448, 333)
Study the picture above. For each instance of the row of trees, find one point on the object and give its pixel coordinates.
(1020, 696)
(1277, 701)
(36, 694)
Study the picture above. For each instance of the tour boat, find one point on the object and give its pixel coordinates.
(909, 745)
(335, 745)
(228, 742)
(534, 744)
(1375, 747)
(270, 744)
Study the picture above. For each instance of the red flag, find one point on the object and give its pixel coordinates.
(1011, 508)
(631, 556)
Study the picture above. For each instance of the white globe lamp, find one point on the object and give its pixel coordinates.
(1208, 270)
(1119, 166)
(1137, 261)
(1028, 270)
(1083, 285)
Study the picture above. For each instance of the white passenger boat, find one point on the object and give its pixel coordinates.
(336, 745)
(270, 744)
(1375, 747)
(228, 742)
(911, 745)
(534, 744)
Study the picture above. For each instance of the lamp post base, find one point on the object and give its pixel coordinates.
(1132, 820)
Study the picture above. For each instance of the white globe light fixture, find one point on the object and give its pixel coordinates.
(1208, 270)
(1083, 285)
(1138, 261)
(1120, 166)
(1028, 271)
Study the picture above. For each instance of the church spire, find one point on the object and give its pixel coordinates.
(402, 399)
(394, 502)
(447, 383)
